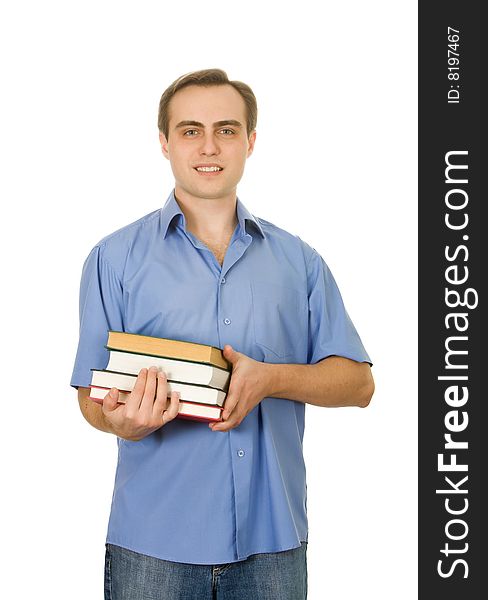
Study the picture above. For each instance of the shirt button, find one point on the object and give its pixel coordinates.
(227, 321)
(222, 280)
(240, 453)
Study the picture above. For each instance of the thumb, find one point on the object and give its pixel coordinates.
(110, 400)
(229, 353)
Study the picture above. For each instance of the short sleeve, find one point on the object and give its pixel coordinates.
(101, 310)
(331, 331)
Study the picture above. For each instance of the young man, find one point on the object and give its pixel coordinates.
(214, 511)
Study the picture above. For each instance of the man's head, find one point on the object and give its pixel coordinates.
(207, 131)
(207, 77)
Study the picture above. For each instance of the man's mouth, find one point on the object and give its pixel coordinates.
(212, 169)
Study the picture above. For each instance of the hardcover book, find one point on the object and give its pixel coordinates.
(190, 392)
(187, 410)
(145, 344)
(177, 370)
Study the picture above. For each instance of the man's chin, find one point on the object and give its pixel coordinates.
(207, 192)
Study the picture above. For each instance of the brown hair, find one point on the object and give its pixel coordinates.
(207, 77)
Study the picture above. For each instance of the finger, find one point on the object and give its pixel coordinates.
(161, 402)
(149, 392)
(230, 403)
(224, 425)
(135, 397)
(110, 402)
(172, 411)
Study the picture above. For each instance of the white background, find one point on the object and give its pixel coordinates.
(335, 163)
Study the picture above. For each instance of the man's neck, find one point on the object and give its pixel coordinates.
(208, 218)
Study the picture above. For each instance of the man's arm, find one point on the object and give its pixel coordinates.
(332, 382)
(92, 411)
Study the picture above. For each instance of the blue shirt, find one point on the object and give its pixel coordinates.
(186, 493)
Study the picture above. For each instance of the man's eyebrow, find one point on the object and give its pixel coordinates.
(228, 122)
(232, 122)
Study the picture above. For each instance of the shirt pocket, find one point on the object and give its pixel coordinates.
(279, 318)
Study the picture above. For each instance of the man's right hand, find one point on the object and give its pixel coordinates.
(142, 413)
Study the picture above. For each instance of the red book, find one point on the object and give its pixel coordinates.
(188, 410)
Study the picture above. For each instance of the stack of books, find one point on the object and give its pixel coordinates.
(199, 372)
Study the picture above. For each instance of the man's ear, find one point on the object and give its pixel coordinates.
(164, 144)
(251, 142)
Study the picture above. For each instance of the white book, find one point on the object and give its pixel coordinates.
(188, 392)
(186, 409)
(175, 370)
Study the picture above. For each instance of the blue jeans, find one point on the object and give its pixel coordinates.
(271, 576)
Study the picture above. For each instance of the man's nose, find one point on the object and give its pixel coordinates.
(209, 145)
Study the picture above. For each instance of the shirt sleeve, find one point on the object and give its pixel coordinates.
(101, 310)
(331, 331)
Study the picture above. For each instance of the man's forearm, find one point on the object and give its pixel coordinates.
(334, 381)
(92, 411)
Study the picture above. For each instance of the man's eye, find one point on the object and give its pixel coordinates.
(227, 131)
(190, 132)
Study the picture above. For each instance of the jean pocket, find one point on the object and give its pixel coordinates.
(280, 318)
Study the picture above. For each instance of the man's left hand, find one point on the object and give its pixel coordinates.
(249, 384)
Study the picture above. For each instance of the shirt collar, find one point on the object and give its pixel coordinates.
(171, 210)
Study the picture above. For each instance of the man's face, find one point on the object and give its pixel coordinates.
(207, 128)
